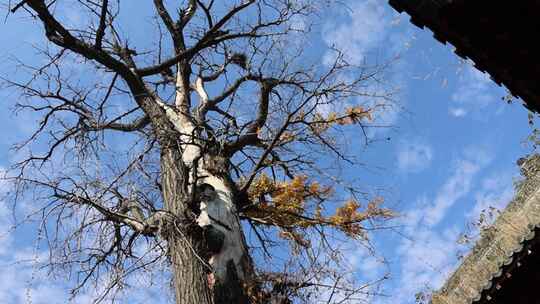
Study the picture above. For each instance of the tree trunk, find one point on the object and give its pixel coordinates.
(189, 273)
(209, 256)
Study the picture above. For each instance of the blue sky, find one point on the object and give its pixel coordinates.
(450, 152)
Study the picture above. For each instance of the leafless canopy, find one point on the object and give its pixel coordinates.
(124, 96)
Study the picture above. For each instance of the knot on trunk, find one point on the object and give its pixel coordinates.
(214, 239)
(155, 224)
(216, 165)
(205, 193)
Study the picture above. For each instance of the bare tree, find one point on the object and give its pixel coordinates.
(212, 144)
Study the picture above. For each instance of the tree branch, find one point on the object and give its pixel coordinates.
(100, 32)
(135, 125)
(60, 36)
(188, 13)
(209, 39)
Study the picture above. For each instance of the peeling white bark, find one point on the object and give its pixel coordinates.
(221, 214)
(172, 115)
(186, 128)
(199, 88)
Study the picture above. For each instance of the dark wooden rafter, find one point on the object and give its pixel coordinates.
(498, 36)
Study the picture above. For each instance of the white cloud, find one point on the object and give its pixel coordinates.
(428, 252)
(457, 112)
(367, 26)
(365, 262)
(21, 280)
(414, 156)
(5, 236)
(363, 26)
(495, 193)
(430, 255)
(458, 184)
(3, 182)
(473, 92)
(366, 32)
(25, 281)
(426, 261)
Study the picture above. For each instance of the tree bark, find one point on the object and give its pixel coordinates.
(210, 261)
(189, 273)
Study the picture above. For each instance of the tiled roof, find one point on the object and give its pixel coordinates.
(498, 36)
(500, 246)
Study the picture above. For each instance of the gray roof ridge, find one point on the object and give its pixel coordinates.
(498, 243)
